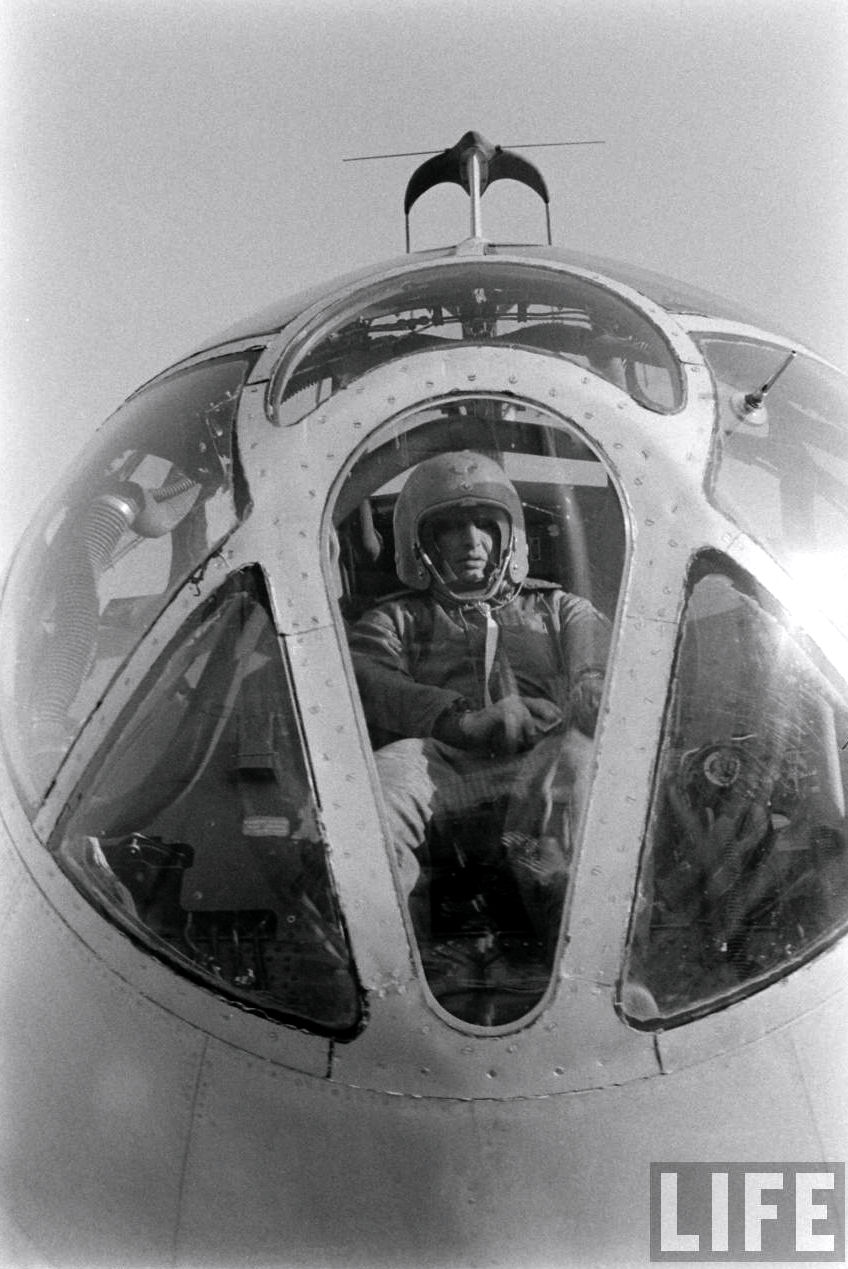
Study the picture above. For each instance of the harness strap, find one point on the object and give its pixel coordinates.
(491, 649)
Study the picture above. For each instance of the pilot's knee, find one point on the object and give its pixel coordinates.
(416, 760)
(401, 750)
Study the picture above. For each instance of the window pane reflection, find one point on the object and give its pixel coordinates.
(782, 473)
(199, 834)
(746, 869)
(546, 310)
(145, 507)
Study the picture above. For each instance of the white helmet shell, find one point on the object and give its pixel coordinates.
(462, 479)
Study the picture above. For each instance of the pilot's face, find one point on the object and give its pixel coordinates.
(466, 539)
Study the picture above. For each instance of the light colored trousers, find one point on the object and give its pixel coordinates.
(425, 780)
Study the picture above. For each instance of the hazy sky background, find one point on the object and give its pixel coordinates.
(168, 166)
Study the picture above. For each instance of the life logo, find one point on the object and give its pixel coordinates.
(748, 1212)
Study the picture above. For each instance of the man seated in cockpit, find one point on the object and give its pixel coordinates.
(478, 682)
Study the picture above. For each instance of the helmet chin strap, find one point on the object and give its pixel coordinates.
(496, 596)
(484, 596)
(492, 632)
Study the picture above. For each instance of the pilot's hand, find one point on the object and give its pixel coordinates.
(546, 716)
(510, 725)
(585, 700)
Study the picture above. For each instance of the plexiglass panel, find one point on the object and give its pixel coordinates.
(745, 871)
(781, 471)
(489, 302)
(481, 552)
(198, 832)
(143, 509)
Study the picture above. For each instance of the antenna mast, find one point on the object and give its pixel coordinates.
(472, 163)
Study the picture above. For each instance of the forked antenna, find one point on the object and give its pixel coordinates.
(474, 163)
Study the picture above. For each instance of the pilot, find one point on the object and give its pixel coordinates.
(477, 682)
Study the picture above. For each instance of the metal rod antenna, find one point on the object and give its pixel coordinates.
(546, 145)
(767, 387)
(750, 406)
(409, 154)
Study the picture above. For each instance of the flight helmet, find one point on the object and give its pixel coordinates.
(453, 481)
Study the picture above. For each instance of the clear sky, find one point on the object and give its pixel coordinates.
(169, 166)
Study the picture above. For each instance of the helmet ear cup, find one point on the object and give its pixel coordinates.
(519, 562)
(422, 573)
